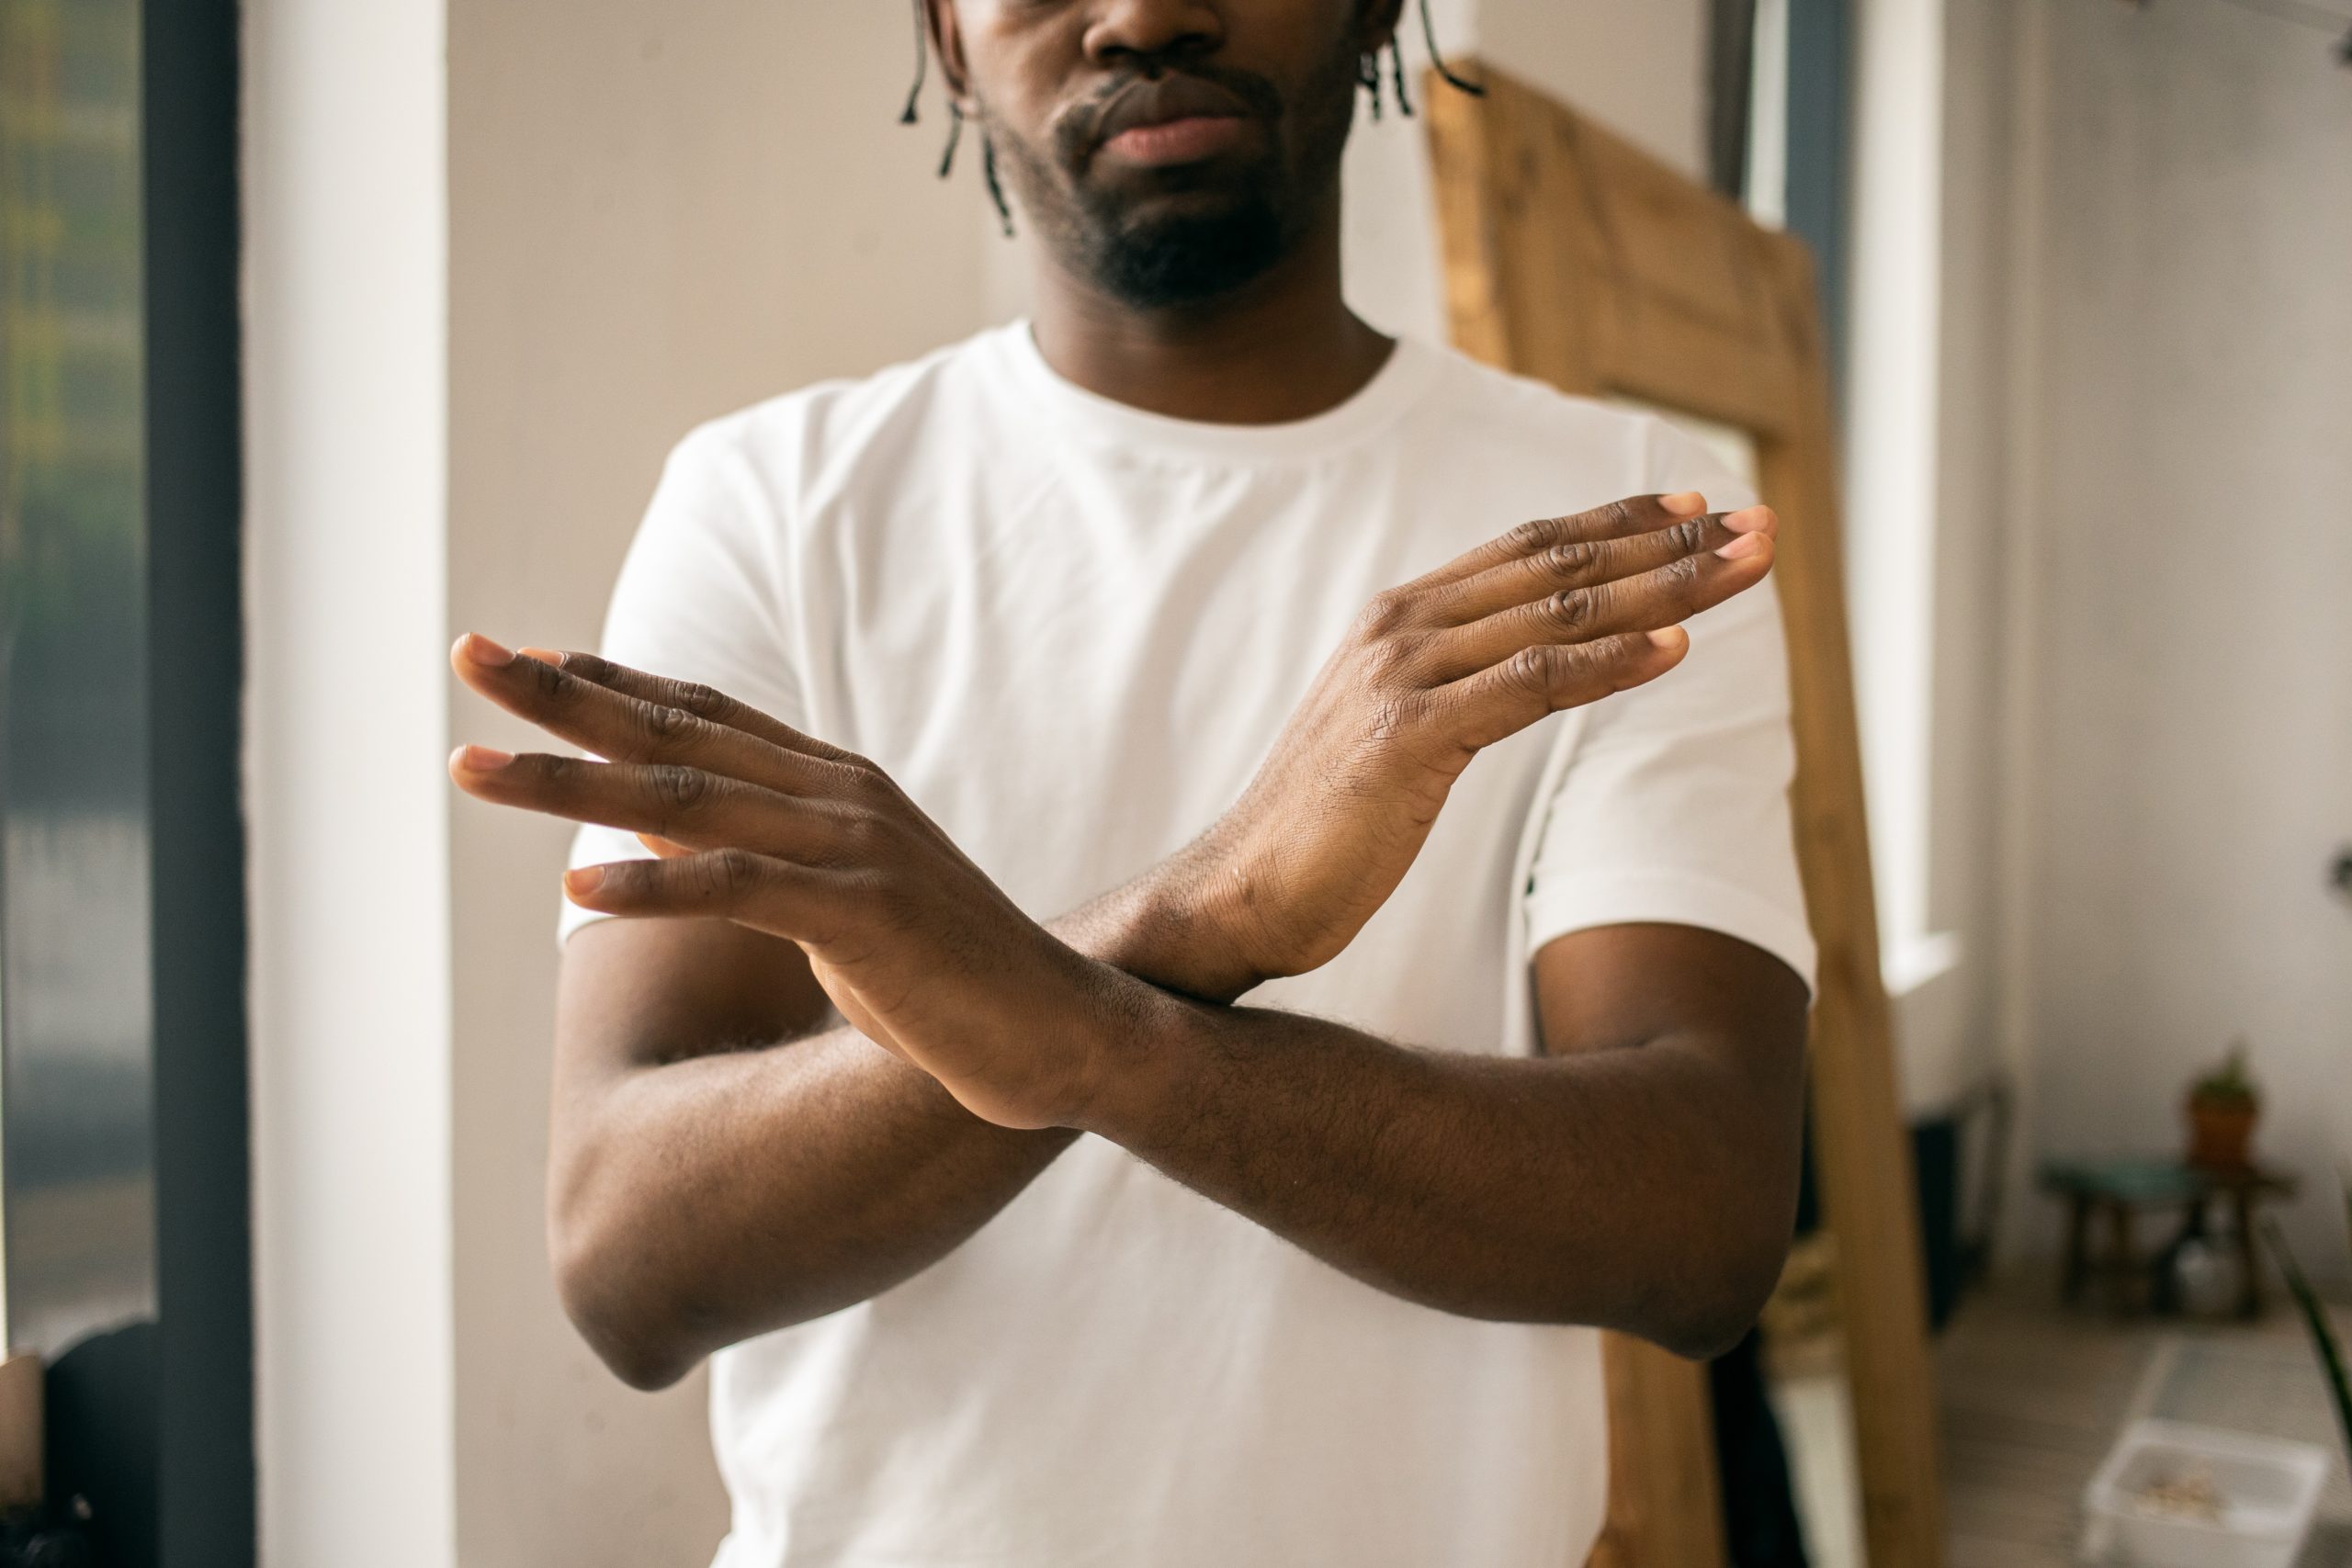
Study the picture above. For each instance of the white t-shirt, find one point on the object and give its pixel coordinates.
(1071, 631)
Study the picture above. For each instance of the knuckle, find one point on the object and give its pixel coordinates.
(869, 783)
(1386, 662)
(867, 790)
(680, 789)
(1569, 613)
(1532, 536)
(1532, 670)
(1531, 673)
(1570, 562)
(1680, 576)
(549, 682)
(729, 875)
(863, 832)
(663, 728)
(1383, 614)
(1689, 538)
(1615, 517)
(704, 702)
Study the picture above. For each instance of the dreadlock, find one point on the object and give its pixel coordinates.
(996, 187)
(1428, 37)
(1367, 75)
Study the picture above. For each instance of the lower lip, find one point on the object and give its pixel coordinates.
(1183, 140)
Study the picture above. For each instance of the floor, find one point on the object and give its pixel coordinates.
(2034, 1396)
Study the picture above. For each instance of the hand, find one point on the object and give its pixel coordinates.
(1552, 615)
(760, 824)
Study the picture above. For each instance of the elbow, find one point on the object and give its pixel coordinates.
(1717, 1306)
(603, 1293)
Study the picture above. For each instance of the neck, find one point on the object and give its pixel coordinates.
(1282, 348)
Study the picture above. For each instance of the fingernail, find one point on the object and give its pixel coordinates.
(586, 880)
(481, 651)
(1747, 544)
(1752, 520)
(1687, 504)
(481, 759)
(545, 656)
(1668, 637)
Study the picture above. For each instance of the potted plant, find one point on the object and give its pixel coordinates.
(2223, 1108)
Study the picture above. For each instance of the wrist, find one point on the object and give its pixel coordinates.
(1142, 1038)
(1186, 926)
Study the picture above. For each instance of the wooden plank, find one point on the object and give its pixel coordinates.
(1861, 1150)
(1662, 1507)
(20, 1433)
(1574, 257)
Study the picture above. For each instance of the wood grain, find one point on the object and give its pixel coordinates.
(1576, 258)
(20, 1433)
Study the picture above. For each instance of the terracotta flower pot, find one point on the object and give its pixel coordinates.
(2221, 1133)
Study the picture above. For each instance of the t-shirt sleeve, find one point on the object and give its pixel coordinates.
(1674, 807)
(699, 599)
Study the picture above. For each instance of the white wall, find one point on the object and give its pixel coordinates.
(2142, 214)
(1955, 1033)
(346, 801)
(1894, 387)
(2181, 551)
(1639, 66)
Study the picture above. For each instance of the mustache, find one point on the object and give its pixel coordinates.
(1077, 130)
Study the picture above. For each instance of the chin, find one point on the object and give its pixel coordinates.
(1187, 251)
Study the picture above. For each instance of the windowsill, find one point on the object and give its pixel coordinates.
(1912, 964)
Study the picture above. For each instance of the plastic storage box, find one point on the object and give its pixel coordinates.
(2266, 1490)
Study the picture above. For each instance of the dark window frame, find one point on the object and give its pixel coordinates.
(150, 1422)
(204, 1398)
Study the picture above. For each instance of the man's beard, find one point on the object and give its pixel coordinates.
(1167, 260)
(1153, 264)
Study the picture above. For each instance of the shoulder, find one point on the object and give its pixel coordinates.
(1485, 407)
(780, 452)
(1470, 397)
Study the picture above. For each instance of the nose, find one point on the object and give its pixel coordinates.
(1144, 33)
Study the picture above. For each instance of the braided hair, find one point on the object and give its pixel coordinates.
(1367, 74)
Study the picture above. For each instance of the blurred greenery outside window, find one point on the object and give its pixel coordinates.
(75, 1179)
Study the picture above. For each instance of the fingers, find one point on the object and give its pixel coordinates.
(493, 670)
(1618, 519)
(1546, 678)
(704, 702)
(798, 902)
(1665, 596)
(690, 808)
(642, 724)
(1562, 568)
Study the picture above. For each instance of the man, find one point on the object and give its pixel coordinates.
(1047, 1250)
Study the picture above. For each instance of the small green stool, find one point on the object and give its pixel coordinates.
(2118, 1188)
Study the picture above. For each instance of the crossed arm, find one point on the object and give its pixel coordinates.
(710, 1184)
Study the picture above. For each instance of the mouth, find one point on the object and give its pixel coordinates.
(1173, 120)
(1187, 140)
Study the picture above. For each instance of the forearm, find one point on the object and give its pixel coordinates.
(700, 1200)
(1649, 1188)
(705, 1201)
